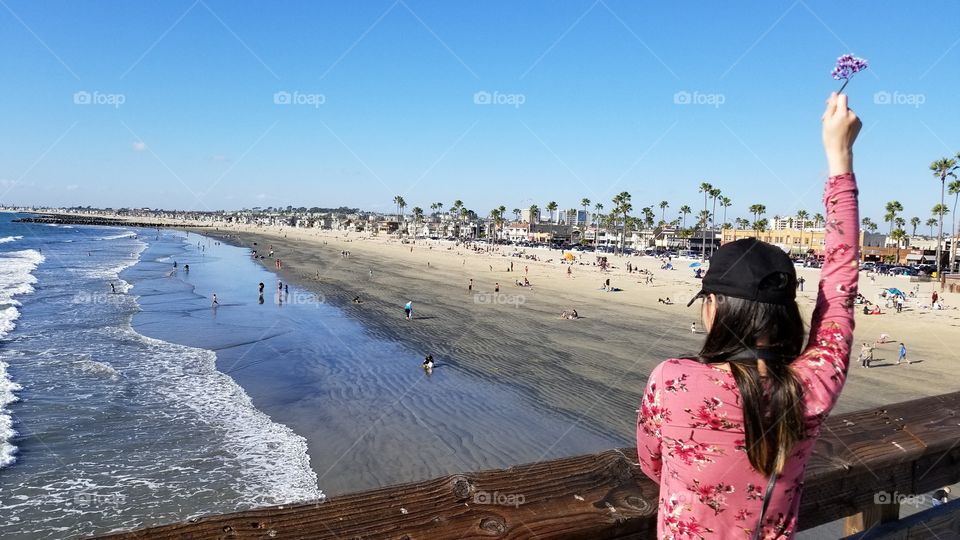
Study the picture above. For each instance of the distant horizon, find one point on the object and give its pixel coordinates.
(197, 105)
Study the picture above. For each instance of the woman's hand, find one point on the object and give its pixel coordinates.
(840, 129)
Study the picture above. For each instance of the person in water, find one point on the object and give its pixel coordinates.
(428, 362)
(727, 433)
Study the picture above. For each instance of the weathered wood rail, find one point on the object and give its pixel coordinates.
(902, 449)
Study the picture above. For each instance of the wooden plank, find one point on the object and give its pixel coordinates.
(900, 448)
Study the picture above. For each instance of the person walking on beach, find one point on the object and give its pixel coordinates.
(215, 302)
(470, 286)
(727, 433)
(800, 282)
(899, 303)
(496, 287)
(903, 354)
(408, 310)
(866, 355)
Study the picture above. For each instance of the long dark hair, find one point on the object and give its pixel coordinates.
(773, 410)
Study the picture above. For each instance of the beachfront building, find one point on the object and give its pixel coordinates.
(811, 241)
(575, 217)
(792, 222)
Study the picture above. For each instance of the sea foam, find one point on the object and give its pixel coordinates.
(16, 278)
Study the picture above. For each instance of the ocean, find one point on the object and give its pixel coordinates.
(104, 428)
(128, 398)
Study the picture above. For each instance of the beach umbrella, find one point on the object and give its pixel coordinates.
(569, 256)
(896, 291)
(694, 264)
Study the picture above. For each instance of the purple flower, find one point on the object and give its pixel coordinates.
(847, 66)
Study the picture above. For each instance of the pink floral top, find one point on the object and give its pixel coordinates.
(690, 436)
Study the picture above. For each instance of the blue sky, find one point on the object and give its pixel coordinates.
(182, 110)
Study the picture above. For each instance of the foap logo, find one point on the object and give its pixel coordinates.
(85, 500)
(515, 300)
(885, 497)
(301, 298)
(499, 499)
(96, 97)
(297, 97)
(97, 298)
(497, 98)
(684, 97)
(899, 98)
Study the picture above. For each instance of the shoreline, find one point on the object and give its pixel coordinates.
(592, 369)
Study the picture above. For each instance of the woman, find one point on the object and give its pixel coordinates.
(729, 433)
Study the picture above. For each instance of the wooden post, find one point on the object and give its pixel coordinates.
(871, 516)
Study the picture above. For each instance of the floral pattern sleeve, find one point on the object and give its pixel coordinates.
(653, 414)
(823, 365)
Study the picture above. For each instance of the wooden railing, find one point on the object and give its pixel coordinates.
(880, 454)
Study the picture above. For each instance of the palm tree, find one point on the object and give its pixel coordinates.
(757, 210)
(898, 236)
(398, 200)
(497, 215)
(439, 206)
(684, 210)
(534, 215)
(930, 223)
(516, 214)
(585, 203)
(942, 169)
(802, 217)
(893, 207)
(621, 205)
(868, 224)
(417, 218)
(434, 207)
(714, 194)
(663, 210)
(464, 214)
(705, 188)
(648, 216)
(953, 188)
(725, 203)
(818, 220)
(761, 225)
(742, 223)
(597, 209)
(914, 222)
(551, 207)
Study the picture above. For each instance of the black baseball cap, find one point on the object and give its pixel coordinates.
(752, 270)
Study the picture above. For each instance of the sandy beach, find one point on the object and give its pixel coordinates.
(592, 369)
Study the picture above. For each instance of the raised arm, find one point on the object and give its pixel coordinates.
(823, 365)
